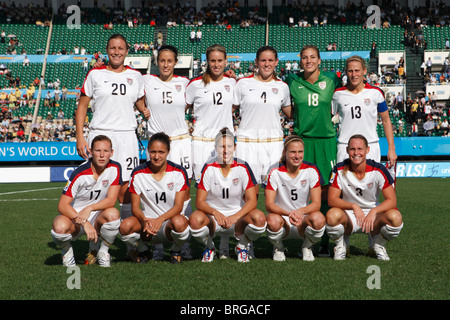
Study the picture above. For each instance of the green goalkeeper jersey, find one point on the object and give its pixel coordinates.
(312, 104)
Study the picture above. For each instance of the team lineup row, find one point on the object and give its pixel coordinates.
(309, 98)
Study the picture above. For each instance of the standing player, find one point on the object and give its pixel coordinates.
(226, 201)
(211, 97)
(311, 92)
(293, 201)
(165, 99)
(353, 196)
(112, 91)
(157, 190)
(358, 105)
(260, 98)
(87, 205)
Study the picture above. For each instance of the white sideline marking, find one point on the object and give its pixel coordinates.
(25, 191)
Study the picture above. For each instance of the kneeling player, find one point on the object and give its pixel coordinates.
(158, 186)
(87, 205)
(226, 201)
(289, 189)
(353, 197)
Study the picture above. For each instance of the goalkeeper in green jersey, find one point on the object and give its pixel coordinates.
(311, 93)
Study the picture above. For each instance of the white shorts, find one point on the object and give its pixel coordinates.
(260, 156)
(202, 152)
(160, 236)
(352, 217)
(92, 217)
(293, 230)
(126, 149)
(374, 152)
(181, 153)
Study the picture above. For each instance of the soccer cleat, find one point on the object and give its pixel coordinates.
(175, 257)
(208, 255)
(380, 252)
(242, 254)
(278, 255)
(68, 258)
(90, 258)
(143, 257)
(104, 259)
(340, 252)
(307, 254)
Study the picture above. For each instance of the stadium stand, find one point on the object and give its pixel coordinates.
(242, 29)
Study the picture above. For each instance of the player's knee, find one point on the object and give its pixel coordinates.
(179, 223)
(61, 224)
(197, 219)
(274, 222)
(258, 217)
(126, 227)
(317, 220)
(333, 216)
(111, 214)
(394, 218)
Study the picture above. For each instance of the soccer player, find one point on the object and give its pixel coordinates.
(112, 91)
(157, 190)
(87, 204)
(226, 201)
(293, 199)
(353, 198)
(165, 99)
(358, 105)
(311, 92)
(211, 97)
(260, 99)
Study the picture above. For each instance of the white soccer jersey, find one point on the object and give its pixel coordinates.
(158, 197)
(225, 194)
(358, 113)
(86, 190)
(113, 96)
(212, 105)
(260, 104)
(167, 104)
(363, 192)
(294, 193)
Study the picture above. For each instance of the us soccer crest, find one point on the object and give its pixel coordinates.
(366, 102)
(235, 181)
(370, 186)
(178, 87)
(227, 88)
(303, 183)
(105, 183)
(322, 85)
(170, 186)
(129, 81)
(275, 90)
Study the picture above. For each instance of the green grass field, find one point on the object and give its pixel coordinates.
(30, 264)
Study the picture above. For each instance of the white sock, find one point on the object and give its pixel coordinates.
(108, 233)
(131, 239)
(62, 240)
(336, 233)
(387, 233)
(251, 233)
(179, 239)
(276, 237)
(202, 235)
(312, 236)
